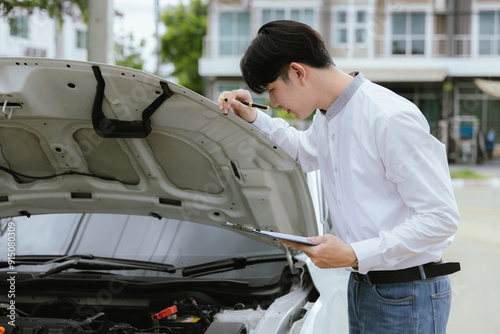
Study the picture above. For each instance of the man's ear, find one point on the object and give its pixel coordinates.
(298, 71)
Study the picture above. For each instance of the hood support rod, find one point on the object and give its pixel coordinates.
(114, 128)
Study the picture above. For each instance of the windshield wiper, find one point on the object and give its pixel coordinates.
(228, 264)
(93, 264)
(89, 261)
(46, 259)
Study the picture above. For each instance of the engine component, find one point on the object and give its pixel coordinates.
(227, 328)
(249, 317)
(46, 326)
(169, 311)
(185, 324)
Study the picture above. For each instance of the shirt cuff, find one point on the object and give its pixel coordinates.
(367, 253)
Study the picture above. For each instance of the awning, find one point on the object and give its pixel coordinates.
(405, 75)
(402, 70)
(489, 86)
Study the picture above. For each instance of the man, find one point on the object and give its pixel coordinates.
(385, 178)
(490, 143)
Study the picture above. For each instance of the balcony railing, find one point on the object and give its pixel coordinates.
(214, 47)
(461, 47)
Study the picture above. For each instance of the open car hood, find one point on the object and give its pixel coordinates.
(87, 137)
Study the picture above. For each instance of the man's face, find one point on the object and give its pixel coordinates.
(291, 95)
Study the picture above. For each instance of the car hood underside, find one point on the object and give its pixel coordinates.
(87, 137)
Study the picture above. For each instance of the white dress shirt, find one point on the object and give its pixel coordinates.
(385, 177)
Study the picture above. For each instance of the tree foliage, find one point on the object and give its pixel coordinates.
(127, 54)
(182, 44)
(55, 8)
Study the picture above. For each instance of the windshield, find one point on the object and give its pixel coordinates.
(169, 241)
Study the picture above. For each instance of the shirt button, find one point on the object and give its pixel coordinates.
(333, 136)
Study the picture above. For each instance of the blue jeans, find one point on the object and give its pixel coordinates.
(419, 307)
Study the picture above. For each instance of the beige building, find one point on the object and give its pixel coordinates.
(429, 51)
(34, 34)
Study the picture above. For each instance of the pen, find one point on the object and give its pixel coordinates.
(250, 104)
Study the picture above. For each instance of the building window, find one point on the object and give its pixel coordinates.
(350, 26)
(234, 33)
(269, 15)
(303, 15)
(360, 29)
(19, 26)
(297, 14)
(489, 32)
(408, 33)
(341, 27)
(81, 39)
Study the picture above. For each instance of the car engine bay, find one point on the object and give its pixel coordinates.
(88, 303)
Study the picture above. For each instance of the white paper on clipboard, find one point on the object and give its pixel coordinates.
(269, 234)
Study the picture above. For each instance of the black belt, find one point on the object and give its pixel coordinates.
(426, 271)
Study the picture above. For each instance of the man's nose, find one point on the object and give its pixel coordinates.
(274, 102)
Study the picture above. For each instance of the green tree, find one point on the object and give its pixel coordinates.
(127, 54)
(55, 8)
(182, 44)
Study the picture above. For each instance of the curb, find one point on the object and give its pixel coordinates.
(476, 183)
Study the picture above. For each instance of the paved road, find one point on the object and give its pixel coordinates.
(476, 294)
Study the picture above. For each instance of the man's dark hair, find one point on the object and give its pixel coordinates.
(279, 43)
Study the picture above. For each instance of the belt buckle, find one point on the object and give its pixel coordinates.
(360, 278)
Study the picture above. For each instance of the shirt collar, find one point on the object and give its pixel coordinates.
(346, 95)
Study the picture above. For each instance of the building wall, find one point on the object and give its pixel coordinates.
(428, 51)
(43, 37)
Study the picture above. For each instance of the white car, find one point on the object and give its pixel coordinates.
(115, 189)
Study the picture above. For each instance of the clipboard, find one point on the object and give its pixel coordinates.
(269, 234)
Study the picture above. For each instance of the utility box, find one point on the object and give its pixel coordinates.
(464, 134)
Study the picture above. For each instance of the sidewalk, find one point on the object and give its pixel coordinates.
(490, 170)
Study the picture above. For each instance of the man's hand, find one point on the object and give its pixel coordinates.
(331, 251)
(249, 114)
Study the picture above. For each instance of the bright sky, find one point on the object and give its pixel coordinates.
(139, 19)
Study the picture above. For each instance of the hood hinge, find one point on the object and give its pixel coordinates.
(289, 258)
